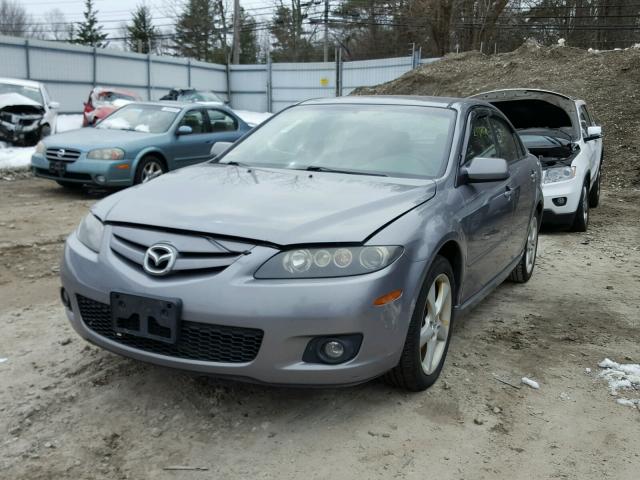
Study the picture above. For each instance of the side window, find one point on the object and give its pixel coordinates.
(220, 121)
(506, 143)
(585, 120)
(481, 143)
(195, 120)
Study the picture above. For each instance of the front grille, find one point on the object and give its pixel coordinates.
(62, 154)
(196, 341)
(70, 175)
(197, 253)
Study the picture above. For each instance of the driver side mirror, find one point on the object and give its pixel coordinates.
(593, 133)
(485, 169)
(184, 130)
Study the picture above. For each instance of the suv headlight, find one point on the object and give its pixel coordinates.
(40, 148)
(90, 232)
(558, 174)
(328, 262)
(106, 154)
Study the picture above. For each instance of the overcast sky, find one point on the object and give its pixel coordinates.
(112, 13)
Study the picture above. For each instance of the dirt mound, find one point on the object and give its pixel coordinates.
(608, 81)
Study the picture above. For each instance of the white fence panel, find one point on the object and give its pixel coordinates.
(295, 82)
(365, 73)
(249, 84)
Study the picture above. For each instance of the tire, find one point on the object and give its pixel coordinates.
(149, 168)
(581, 220)
(411, 372)
(72, 186)
(523, 271)
(594, 193)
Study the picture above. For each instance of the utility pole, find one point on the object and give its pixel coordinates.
(236, 32)
(326, 30)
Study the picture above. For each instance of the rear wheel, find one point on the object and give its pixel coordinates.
(581, 220)
(523, 271)
(149, 168)
(427, 341)
(594, 193)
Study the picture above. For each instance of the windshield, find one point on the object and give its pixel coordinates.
(108, 98)
(199, 96)
(370, 139)
(30, 92)
(141, 118)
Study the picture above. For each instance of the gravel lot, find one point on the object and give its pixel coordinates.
(70, 410)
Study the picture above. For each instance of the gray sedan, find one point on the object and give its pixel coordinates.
(136, 143)
(335, 243)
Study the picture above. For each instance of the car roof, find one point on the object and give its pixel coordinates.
(414, 100)
(18, 81)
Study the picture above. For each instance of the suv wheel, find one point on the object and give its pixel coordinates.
(427, 341)
(581, 220)
(523, 271)
(594, 193)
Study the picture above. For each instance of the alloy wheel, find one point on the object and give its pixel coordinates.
(436, 323)
(150, 171)
(532, 244)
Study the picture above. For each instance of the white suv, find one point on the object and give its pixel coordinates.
(564, 136)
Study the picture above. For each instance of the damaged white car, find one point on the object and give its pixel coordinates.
(27, 113)
(561, 132)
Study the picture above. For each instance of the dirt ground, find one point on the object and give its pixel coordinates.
(71, 410)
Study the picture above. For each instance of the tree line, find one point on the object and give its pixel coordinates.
(301, 30)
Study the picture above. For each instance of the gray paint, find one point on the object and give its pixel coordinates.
(275, 208)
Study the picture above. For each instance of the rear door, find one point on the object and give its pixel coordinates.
(521, 184)
(488, 211)
(194, 147)
(222, 126)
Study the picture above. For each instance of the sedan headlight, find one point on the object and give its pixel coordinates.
(40, 148)
(558, 174)
(106, 154)
(90, 232)
(328, 262)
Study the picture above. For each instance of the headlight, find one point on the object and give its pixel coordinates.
(40, 147)
(90, 232)
(328, 262)
(558, 174)
(106, 154)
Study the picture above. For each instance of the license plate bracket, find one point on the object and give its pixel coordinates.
(57, 168)
(146, 317)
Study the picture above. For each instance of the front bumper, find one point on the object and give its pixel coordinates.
(85, 171)
(570, 190)
(290, 313)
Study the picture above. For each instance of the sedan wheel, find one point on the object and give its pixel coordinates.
(148, 169)
(523, 271)
(429, 333)
(435, 326)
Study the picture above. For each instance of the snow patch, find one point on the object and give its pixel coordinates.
(531, 383)
(253, 118)
(622, 377)
(2, 360)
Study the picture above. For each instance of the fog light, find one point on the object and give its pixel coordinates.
(560, 201)
(333, 349)
(64, 298)
(100, 179)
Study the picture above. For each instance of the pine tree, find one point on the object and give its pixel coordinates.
(90, 32)
(195, 30)
(141, 34)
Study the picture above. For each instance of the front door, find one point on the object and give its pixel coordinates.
(488, 211)
(195, 146)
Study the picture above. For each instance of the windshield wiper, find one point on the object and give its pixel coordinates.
(318, 168)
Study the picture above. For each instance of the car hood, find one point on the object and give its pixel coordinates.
(15, 99)
(90, 137)
(283, 207)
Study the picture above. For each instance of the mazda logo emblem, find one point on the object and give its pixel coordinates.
(61, 153)
(159, 259)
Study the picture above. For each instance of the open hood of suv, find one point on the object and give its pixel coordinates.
(532, 108)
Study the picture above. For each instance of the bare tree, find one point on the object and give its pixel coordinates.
(59, 28)
(14, 20)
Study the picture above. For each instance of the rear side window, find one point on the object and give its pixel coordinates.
(506, 142)
(220, 121)
(481, 142)
(585, 119)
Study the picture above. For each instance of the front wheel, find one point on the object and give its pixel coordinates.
(149, 168)
(581, 220)
(523, 271)
(429, 333)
